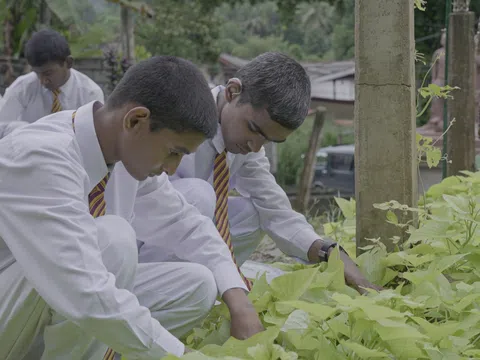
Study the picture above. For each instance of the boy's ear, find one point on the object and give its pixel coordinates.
(136, 118)
(69, 62)
(233, 88)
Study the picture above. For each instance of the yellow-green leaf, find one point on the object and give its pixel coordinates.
(319, 311)
(363, 352)
(292, 285)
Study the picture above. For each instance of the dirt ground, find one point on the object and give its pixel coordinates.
(267, 252)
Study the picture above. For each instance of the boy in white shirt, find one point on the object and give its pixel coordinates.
(53, 85)
(266, 101)
(66, 269)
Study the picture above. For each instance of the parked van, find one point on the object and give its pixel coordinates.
(335, 170)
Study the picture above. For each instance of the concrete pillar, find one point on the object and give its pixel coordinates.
(385, 147)
(461, 73)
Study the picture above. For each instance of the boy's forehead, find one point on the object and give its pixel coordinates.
(51, 65)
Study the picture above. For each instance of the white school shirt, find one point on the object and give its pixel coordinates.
(250, 175)
(46, 174)
(27, 100)
(161, 216)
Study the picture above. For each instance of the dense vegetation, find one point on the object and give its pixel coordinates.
(201, 29)
(428, 310)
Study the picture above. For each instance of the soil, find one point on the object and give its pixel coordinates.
(267, 252)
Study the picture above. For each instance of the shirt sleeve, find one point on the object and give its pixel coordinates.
(164, 218)
(288, 228)
(44, 221)
(11, 105)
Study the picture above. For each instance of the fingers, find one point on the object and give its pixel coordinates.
(363, 289)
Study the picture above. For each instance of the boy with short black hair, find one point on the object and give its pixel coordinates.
(67, 269)
(266, 101)
(52, 86)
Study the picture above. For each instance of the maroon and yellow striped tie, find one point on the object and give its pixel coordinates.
(221, 179)
(56, 106)
(109, 355)
(96, 198)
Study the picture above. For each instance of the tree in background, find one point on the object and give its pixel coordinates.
(199, 30)
(181, 28)
(249, 30)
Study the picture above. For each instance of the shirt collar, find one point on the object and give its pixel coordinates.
(217, 140)
(90, 150)
(67, 88)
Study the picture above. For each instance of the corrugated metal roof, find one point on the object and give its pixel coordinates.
(319, 71)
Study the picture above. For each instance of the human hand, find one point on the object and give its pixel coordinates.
(244, 318)
(354, 277)
(245, 324)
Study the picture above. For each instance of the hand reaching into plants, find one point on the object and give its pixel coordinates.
(353, 276)
(245, 324)
(244, 318)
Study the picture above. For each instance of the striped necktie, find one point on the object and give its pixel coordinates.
(221, 179)
(96, 198)
(56, 106)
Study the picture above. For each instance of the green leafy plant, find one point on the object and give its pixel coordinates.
(430, 308)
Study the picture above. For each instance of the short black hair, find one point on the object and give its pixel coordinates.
(174, 90)
(46, 46)
(279, 83)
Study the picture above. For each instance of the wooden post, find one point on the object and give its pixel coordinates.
(306, 178)
(461, 73)
(45, 16)
(385, 131)
(128, 36)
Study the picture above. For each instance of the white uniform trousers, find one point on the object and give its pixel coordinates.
(179, 295)
(243, 217)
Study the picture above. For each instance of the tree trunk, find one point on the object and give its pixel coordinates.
(45, 18)
(128, 37)
(8, 47)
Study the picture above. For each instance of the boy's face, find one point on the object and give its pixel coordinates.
(53, 75)
(145, 153)
(245, 129)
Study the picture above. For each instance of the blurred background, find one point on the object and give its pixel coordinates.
(106, 36)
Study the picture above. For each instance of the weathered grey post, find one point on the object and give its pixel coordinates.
(309, 161)
(461, 70)
(385, 149)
